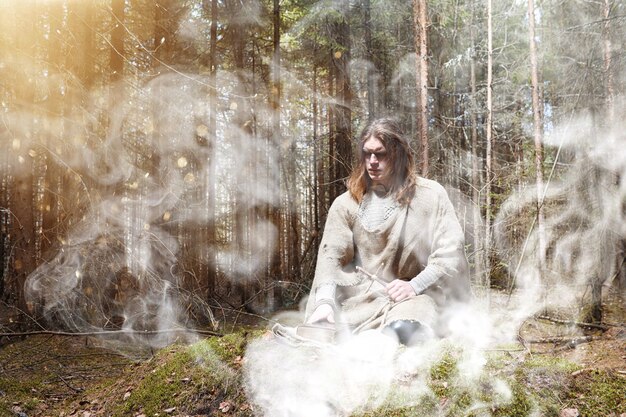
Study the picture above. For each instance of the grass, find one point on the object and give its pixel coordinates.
(195, 379)
(205, 378)
(542, 385)
(598, 393)
(18, 391)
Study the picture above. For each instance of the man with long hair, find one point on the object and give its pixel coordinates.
(392, 253)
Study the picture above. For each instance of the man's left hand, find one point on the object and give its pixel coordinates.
(399, 290)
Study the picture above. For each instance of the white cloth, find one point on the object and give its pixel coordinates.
(423, 243)
(375, 208)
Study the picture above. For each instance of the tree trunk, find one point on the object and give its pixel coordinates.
(608, 70)
(342, 111)
(479, 275)
(5, 223)
(420, 20)
(538, 134)
(208, 272)
(331, 115)
(489, 140)
(81, 23)
(212, 140)
(620, 260)
(275, 297)
(116, 88)
(243, 133)
(10, 146)
(116, 64)
(371, 82)
(316, 158)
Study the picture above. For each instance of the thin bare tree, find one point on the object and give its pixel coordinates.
(489, 140)
(537, 132)
(476, 196)
(608, 70)
(420, 23)
(371, 82)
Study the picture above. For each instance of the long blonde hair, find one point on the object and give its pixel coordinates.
(404, 178)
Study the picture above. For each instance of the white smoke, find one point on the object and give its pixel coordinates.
(141, 172)
(139, 182)
(584, 222)
(370, 370)
(584, 219)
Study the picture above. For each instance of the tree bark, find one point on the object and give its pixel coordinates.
(476, 198)
(212, 138)
(332, 127)
(537, 134)
(489, 140)
(208, 273)
(342, 111)
(608, 59)
(275, 273)
(371, 82)
(420, 21)
(116, 64)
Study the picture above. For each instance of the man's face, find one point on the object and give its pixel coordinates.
(377, 162)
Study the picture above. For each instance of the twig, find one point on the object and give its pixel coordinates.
(371, 276)
(571, 345)
(540, 203)
(110, 332)
(521, 349)
(522, 340)
(570, 341)
(603, 327)
(69, 386)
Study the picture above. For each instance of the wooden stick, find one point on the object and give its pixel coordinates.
(371, 276)
(571, 340)
(111, 332)
(575, 323)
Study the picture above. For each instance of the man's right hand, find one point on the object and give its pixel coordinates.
(322, 313)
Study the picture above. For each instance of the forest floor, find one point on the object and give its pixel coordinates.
(58, 375)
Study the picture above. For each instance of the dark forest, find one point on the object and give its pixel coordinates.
(169, 164)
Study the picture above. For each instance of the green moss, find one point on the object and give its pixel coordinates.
(551, 363)
(598, 393)
(388, 411)
(230, 346)
(31, 404)
(196, 379)
(459, 402)
(184, 376)
(445, 368)
(521, 404)
(24, 391)
(16, 387)
(541, 384)
(159, 389)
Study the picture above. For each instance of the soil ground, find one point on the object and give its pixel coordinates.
(57, 375)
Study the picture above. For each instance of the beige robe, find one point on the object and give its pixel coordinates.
(423, 240)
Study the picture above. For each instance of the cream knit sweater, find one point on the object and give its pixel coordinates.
(423, 243)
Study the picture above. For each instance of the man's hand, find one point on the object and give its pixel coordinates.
(399, 290)
(322, 313)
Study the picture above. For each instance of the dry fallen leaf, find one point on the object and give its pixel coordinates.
(569, 412)
(225, 406)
